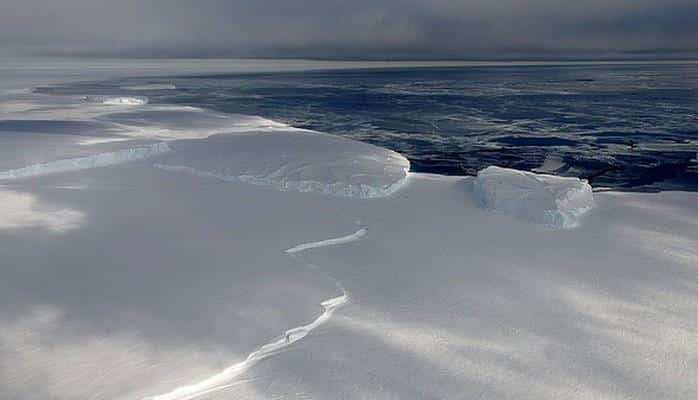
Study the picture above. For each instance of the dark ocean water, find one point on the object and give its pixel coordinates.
(623, 126)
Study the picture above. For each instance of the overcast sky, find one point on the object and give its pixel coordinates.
(360, 29)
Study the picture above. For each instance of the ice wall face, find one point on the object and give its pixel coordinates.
(118, 100)
(88, 162)
(553, 201)
(293, 161)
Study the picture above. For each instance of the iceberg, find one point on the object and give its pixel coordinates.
(293, 161)
(553, 201)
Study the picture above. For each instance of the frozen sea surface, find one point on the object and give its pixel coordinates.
(123, 281)
(626, 126)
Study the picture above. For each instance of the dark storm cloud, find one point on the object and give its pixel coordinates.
(351, 29)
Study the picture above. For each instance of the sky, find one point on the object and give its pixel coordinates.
(358, 29)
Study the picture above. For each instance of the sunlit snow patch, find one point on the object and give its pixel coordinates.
(553, 201)
(293, 161)
(23, 211)
(88, 162)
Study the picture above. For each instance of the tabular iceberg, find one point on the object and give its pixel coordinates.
(293, 161)
(549, 200)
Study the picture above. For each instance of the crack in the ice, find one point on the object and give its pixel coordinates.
(223, 379)
(329, 242)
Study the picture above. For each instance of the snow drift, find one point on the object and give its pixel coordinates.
(549, 200)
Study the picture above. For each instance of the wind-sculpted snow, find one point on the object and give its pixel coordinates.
(299, 161)
(549, 200)
(224, 378)
(329, 242)
(88, 162)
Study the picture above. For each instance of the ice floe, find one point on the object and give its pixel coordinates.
(293, 161)
(549, 200)
(552, 163)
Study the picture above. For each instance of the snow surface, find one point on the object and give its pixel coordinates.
(554, 201)
(131, 282)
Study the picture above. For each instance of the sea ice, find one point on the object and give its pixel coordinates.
(549, 200)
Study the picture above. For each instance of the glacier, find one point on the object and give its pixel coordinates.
(553, 201)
